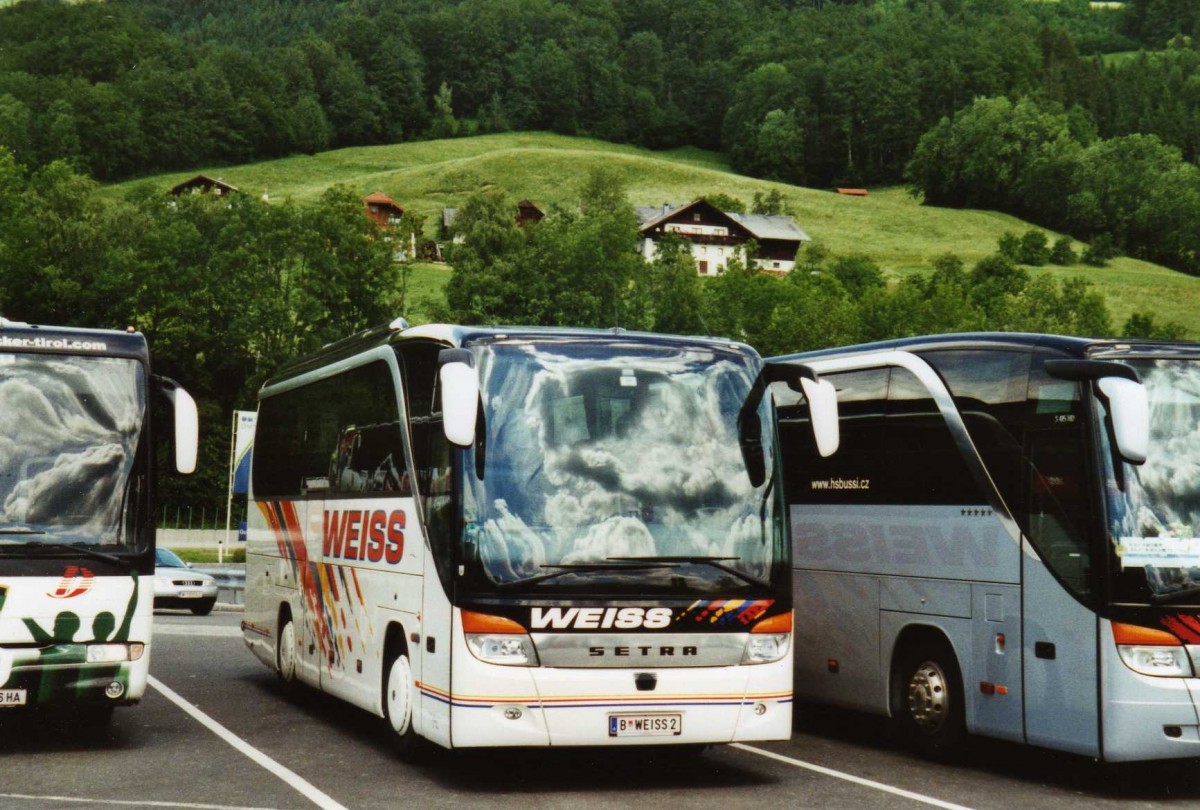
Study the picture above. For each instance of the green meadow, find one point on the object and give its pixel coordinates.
(888, 225)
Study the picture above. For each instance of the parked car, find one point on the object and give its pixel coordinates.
(177, 585)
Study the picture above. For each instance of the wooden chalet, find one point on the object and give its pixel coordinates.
(716, 235)
(383, 210)
(203, 184)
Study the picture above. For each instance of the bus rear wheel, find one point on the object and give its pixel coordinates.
(928, 700)
(398, 686)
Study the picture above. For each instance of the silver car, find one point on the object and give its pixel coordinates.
(177, 585)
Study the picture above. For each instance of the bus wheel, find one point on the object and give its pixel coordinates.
(285, 656)
(398, 706)
(929, 703)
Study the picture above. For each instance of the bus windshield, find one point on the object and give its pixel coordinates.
(69, 429)
(615, 468)
(1154, 509)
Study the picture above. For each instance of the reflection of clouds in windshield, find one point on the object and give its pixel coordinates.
(1165, 490)
(510, 550)
(629, 535)
(67, 433)
(77, 491)
(626, 454)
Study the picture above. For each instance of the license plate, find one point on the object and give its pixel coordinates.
(190, 594)
(12, 697)
(645, 725)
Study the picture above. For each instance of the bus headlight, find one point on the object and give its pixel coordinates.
(769, 640)
(497, 640)
(1152, 652)
(114, 653)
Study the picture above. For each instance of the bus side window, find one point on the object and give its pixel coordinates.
(856, 472)
(926, 462)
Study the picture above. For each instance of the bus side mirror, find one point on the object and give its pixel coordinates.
(187, 425)
(1128, 402)
(1129, 409)
(822, 406)
(459, 384)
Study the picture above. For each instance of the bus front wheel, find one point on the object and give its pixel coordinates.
(928, 700)
(398, 686)
(285, 655)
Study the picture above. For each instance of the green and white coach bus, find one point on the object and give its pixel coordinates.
(1006, 543)
(528, 537)
(77, 523)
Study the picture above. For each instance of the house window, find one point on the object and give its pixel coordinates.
(704, 268)
(704, 250)
(695, 217)
(775, 265)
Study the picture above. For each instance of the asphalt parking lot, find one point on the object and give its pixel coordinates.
(215, 732)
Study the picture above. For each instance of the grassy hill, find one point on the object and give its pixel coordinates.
(889, 225)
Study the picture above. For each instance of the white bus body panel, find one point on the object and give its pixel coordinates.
(74, 610)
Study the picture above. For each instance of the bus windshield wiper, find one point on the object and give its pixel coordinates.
(568, 568)
(1176, 595)
(715, 562)
(72, 548)
(19, 530)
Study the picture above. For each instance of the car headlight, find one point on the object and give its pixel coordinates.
(1152, 652)
(497, 640)
(769, 640)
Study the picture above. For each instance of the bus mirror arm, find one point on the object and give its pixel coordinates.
(187, 423)
(459, 384)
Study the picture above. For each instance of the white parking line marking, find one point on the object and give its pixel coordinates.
(303, 786)
(858, 780)
(124, 803)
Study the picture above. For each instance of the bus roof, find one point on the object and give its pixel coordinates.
(453, 335)
(1073, 346)
(38, 338)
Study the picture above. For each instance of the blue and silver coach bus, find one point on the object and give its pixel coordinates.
(1006, 542)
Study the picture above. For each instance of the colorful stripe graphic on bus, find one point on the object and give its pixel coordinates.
(334, 607)
(725, 612)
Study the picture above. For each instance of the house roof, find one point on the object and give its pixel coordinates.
(772, 226)
(380, 200)
(202, 182)
(760, 226)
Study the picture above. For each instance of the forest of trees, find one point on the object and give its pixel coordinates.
(807, 92)
(1003, 104)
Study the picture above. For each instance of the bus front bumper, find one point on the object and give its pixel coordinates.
(543, 706)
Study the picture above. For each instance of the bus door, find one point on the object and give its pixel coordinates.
(1060, 655)
(433, 530)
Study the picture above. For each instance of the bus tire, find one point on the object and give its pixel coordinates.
(398, 685)
(928, 699)
(285, 655)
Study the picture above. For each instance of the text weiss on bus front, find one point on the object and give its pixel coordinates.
(528, 537)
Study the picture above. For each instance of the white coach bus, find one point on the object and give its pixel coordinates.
(528, 537)
(1006, 542)
(77, 531)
